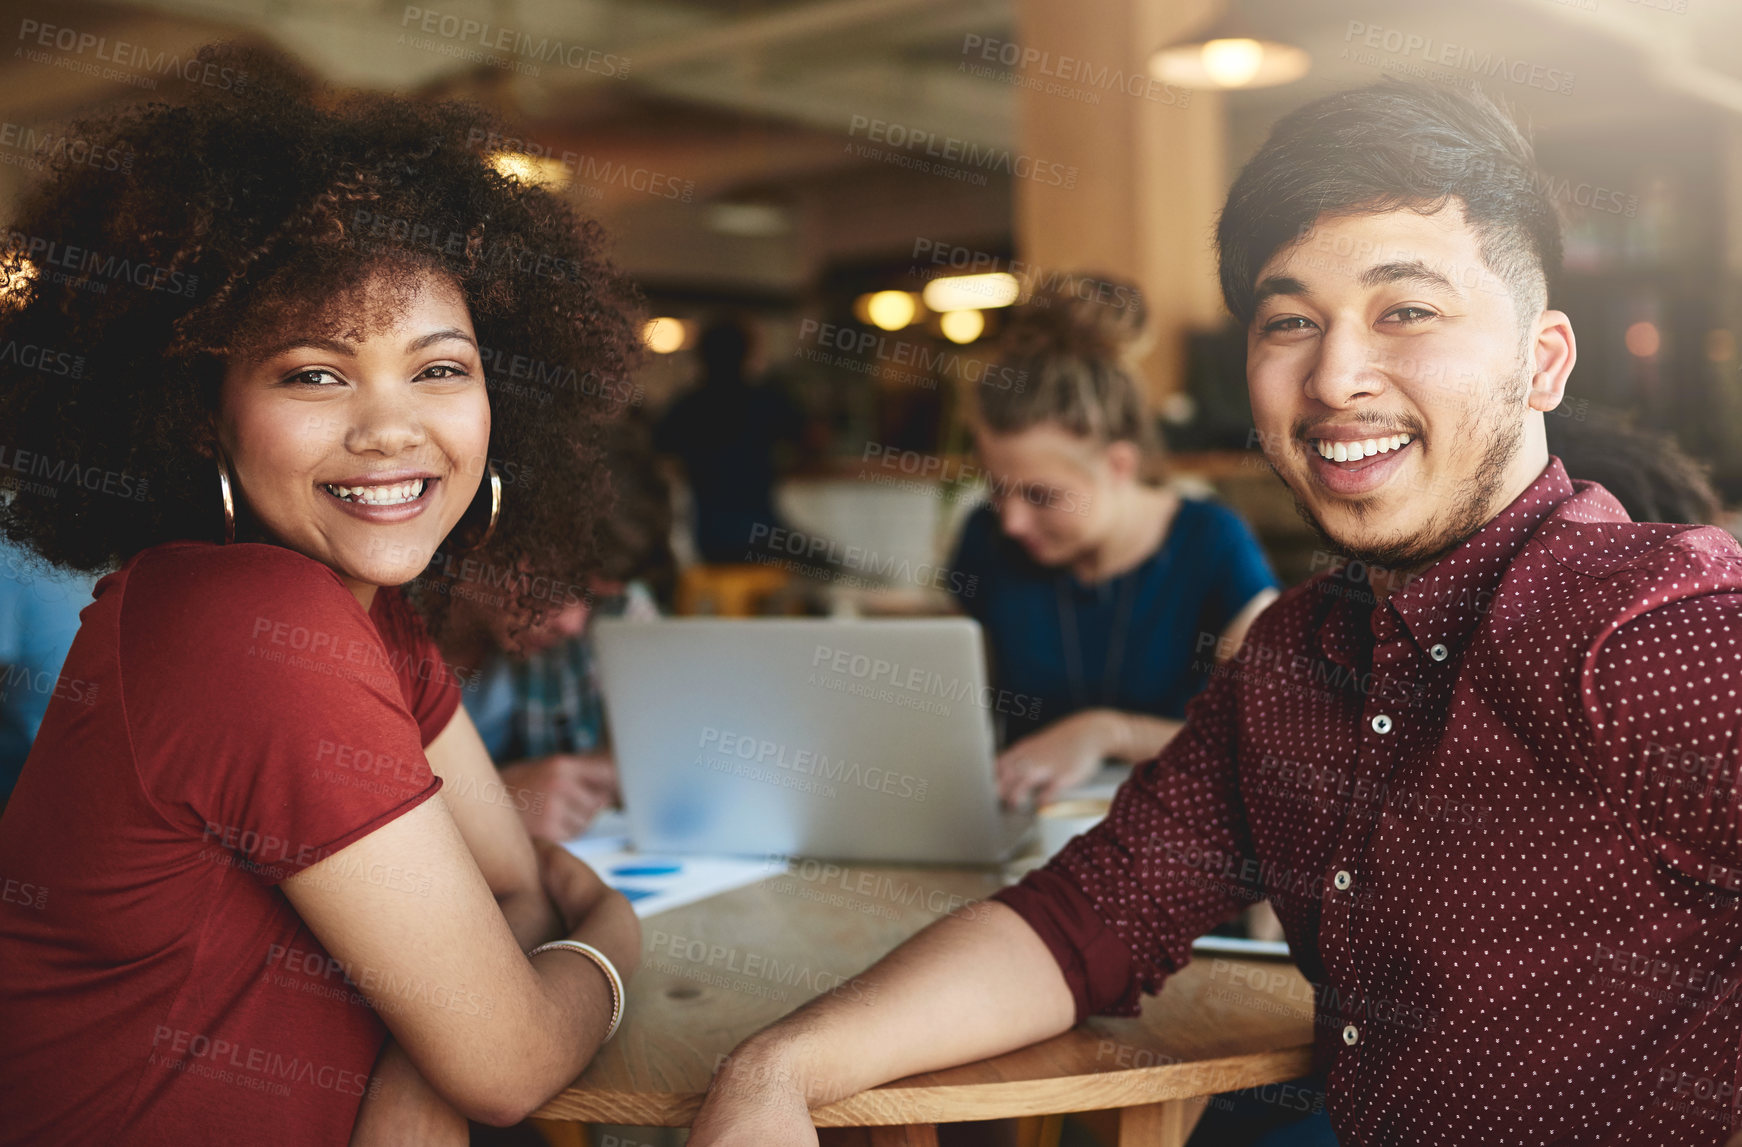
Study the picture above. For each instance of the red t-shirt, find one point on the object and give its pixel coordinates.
(237, 717)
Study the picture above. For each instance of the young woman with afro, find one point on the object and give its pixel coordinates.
(268, 886)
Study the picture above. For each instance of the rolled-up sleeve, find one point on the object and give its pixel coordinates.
(1120, 905)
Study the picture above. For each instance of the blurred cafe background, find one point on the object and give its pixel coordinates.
(850, 194)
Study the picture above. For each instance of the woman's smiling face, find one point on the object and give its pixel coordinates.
(360, 444)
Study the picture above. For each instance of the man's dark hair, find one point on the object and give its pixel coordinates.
(1394, 145)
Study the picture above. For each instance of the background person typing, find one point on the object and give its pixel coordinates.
(1096, 586)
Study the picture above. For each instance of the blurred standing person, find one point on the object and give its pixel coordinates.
(727, 432)
(1106, 597)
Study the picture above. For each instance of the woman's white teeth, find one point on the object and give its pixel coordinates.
(1355, 451)
(394, 495)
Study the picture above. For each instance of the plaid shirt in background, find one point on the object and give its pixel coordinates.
(557, 705)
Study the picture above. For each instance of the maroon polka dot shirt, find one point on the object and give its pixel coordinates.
(1498, 816)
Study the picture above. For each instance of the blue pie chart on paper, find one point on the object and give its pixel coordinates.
(647, 870)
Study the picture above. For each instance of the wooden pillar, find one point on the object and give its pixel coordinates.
(1151, 166)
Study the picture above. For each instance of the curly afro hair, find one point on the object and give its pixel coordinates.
(130, 283)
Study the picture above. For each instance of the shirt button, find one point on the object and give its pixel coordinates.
(1439, 653)
(1342, 880)
(1382, 724)
(1351, 1034)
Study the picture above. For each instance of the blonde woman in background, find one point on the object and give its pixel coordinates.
(1106, 597)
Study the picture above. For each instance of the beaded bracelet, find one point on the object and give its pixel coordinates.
(605, 966)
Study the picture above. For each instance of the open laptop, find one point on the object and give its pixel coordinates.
(844, 740)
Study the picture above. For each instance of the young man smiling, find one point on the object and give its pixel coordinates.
(1465, 788)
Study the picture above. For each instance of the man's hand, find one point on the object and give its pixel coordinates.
(558, 796)
(1064, 754)
(753, 1103)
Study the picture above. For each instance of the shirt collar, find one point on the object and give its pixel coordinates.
(1443, 605)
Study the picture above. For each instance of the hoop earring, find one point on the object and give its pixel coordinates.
(495, 512)
(226, 493)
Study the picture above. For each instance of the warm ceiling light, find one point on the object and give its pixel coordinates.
(533, 170)
(1232, 63)
(663, 335)
(889, 310)
(749, 220)
(1227, 55)
(972, 292)
(962, 326)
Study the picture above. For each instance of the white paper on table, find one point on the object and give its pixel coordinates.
(657, 882)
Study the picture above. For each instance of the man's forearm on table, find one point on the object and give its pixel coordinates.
(977, 983)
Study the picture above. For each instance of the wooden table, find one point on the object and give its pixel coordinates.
(716, 971)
